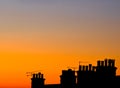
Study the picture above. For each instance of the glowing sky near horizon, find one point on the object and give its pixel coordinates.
(50, 35)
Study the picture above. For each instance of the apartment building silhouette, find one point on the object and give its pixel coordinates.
(101, 76)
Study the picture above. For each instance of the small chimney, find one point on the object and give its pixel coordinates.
(39, 75)
(84, 68)
(113, 63)
(106, 62)
(87, 68)
(98, 63)
(110, 62)
(90, 67)
(102, 63)
(80, 68)
(33, 75)
(36, 75)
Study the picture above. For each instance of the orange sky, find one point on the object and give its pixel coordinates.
(52, 35)
(20, 55)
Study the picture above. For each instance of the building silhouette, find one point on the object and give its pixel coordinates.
(87, 76)
(68, 79)
(37, 80)
(104, 74)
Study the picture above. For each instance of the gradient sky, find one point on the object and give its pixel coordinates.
(51, 35)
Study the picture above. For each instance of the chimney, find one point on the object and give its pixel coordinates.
(33, 75)
(84, 68)
(102, 63)
(90, 67)
(113, 63)
(80, 68)
(36, 75)
(39, 75)
(110, 62)
(87, 68)
(98, 63)
(106, 62)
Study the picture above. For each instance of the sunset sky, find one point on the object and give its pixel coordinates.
(52, 35)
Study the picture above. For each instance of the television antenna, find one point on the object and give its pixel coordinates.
(32, 72)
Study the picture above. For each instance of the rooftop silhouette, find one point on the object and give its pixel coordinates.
(103, 76)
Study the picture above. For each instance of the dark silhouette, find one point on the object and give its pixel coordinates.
(68, 79)
(37, 81)
(104, 75)
(101, 76)
(52, 86)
